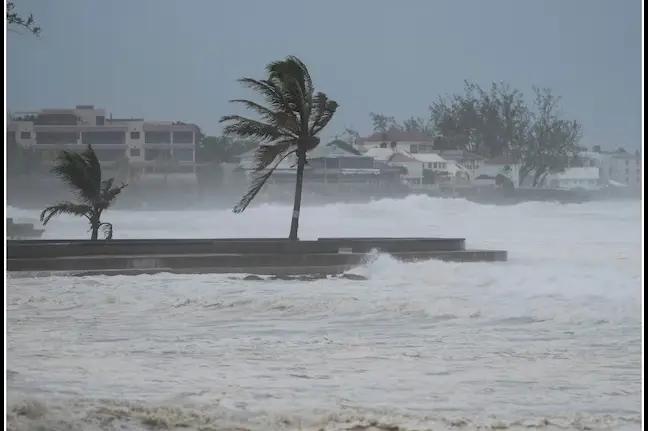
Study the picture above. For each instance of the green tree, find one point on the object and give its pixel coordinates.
(289, 124)
(82, 172)
(491, 122)
(417, 124)
(552, 141)
(15, 20)
(382, 123)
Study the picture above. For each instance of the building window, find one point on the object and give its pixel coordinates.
(135, 135)
(135, 152)
(414, 148)
(183, 137)
(100, 120)
(157, 137)
(158, 155)
(56, 138)
(104, 138)
(383, 145)
(25, 135)
(111, 155)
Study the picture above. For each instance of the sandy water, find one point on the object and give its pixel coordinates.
(550, 339)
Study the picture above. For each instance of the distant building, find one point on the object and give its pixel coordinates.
(420, 169)
(625, 168)
(489, 169)
(147, 146)
(470, 162)
(586, 178)
(330, 164)
(616, 168)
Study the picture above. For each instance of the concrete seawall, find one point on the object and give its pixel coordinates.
(235, 255)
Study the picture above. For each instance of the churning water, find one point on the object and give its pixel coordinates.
(550, 339)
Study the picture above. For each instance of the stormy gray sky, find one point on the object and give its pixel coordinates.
(179, 60)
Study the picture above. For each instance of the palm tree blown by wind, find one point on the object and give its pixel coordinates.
(290, 120)
(82, 172)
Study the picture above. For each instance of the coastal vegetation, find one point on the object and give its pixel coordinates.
(292, 117)
(82, 173)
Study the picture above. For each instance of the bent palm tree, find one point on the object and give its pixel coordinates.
(82, 172)
(290, 122)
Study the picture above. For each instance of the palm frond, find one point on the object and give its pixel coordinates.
(109, 193)
(285, 122)
(322, 112)
(272, 94)
(248, 128)
(258, 182)
(65, 208)
(293, 78)
(93, 166)
(266, 154)
(292, 68)
(81, 172)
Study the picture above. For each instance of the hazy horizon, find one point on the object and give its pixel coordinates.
(167, 60)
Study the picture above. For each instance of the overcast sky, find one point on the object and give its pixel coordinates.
(179, 60)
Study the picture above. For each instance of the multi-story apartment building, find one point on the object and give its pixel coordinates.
(145, 145)
(618, 168)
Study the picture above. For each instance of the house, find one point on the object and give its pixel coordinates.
(491, 168)
(470, 162)
(586, 178)
(330, 164)
(419, 168)
(399, 140)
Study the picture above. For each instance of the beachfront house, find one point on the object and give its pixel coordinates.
(585, 178)
(491, 168)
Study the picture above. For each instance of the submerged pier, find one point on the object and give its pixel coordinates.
(262, 256)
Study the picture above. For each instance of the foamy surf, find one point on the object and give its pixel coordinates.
(550, 339)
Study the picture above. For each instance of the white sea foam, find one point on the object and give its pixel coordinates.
(550, 339)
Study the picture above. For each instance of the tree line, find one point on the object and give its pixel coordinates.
(498, 122)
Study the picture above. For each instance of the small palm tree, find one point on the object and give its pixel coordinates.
(293, 116)
(82, 172)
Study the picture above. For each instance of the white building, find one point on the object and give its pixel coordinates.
(586, 178)
(420, 168)
(491, 168)
(465, 160)
(615, 168)
(625, 168)
(143, 144)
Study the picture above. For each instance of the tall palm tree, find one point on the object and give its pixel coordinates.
(293, 116)
(82, 172)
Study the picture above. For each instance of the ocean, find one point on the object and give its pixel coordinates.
(551, 339)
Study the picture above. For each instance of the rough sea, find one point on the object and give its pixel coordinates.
(550, 340)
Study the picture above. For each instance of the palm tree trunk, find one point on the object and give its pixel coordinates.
(294, 225)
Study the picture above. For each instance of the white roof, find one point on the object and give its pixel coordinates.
(382, 154)
(427, 157)
(330, 151)
(585, 173)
